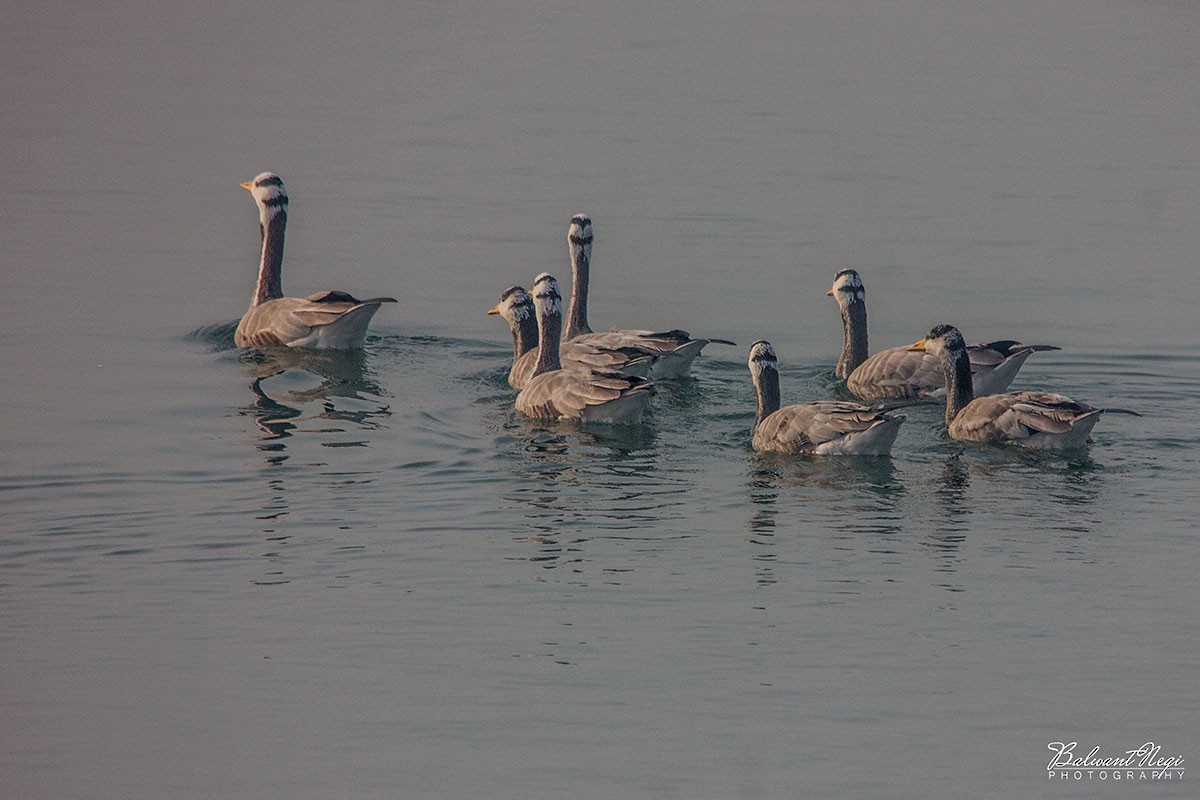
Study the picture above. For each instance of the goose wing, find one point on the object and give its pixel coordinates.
(565, 393)
(651, 342)
(1018, 416)
(673, 350)
(1047, 412)
(336, 296)
(994, 365)
(328, 321)
(647, 342)
(627, 361)
(900, 373)
(806, 427)
(897, 374)
(992, 354)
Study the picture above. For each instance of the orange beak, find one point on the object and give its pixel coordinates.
(917, 346)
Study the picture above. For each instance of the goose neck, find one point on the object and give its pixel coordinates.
(550, 334)
(854, 339)
(956, 368)
(524, 335)
(766, 390)
(577, 321)
(270, 269)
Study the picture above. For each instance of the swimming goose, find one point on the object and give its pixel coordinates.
(576, 393)
(826, 427)
(900, 372)
(1036, 420)
(326, 320)
(676, 349)
(516, 308)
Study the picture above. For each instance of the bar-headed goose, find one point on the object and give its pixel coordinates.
(901, 373)
(1037, 420)
(575, 393)
(326, 320)
(676, 349)
(516, 308)
(826, 427)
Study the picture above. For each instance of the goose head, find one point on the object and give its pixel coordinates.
(946, 343)
(515, 306)
(943, 341)
(547, 298)
(579, 235)
(268, 192)
(848, 288)
(762, 358)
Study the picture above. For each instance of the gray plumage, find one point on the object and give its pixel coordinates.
(1035, 420)
(674, 350)
(327, 320)
(579, 392)
(899, 373)
(517, 309)
(825, 427)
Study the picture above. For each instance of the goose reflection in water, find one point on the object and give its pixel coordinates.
(845, 481)
(841, 495)
(1071, 482)
(790, 496)
(587, 492)
(344, 381)
(764, 521)
(983, 493)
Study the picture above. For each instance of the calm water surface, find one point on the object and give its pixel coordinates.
(235, 574)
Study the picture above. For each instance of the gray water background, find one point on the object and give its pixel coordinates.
(372, 579)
